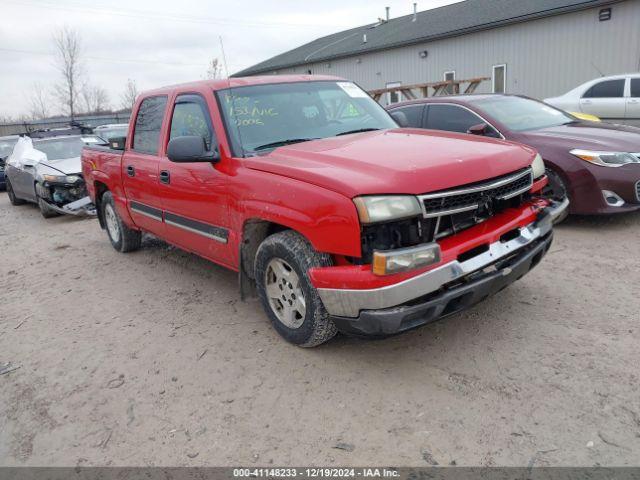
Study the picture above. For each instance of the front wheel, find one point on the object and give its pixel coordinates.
(12, 195)
(555, 189)
(46, 210)
(123, 238)
(287, 295)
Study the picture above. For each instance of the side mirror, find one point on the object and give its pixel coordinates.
(479, 129)
(117, 143)
(400, 118)
(190, 149)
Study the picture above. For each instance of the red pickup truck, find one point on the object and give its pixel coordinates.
(337, 218)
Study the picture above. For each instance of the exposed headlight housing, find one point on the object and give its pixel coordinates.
(394, 261)
(605, 159)
(537, 167)
(61, 178)
(382, 208)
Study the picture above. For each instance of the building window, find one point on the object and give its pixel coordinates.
(448, 76)
(393, 97)
(500, 78)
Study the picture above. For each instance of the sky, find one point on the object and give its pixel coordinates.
(161, 42)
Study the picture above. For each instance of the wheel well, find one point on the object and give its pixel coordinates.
(560, 173)
(100, 189)
(253, 233)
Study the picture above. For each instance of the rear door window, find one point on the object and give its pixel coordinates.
(413, 113)
(606, 89)
(635, 87)
(146, 134)
(451, 118)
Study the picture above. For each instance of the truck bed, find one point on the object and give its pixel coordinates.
(102, 165)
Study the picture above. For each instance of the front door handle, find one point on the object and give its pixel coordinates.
(131, 171)
(165, 177)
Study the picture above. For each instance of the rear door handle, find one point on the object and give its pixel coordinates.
(586, 102)
(165, 177)
(131, 171)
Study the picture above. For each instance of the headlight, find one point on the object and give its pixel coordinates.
(61, 178)
(386, 207)
(605, 159)
(401, 260)
(537, 166)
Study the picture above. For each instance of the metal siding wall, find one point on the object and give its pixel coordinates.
(544, 57)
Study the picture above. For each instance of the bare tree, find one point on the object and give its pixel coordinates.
(128, 97)
(100, 99)
(38, 102)
(68, 45)
(95, 99)
(214, 70)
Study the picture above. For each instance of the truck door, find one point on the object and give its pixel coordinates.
(195, 195)
(140, 166)
(605, 99)
(633, 101)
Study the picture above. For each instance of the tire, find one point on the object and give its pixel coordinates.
(12, 196)
(46, 210)
(282, 263)
(556, 188)
(123, 238)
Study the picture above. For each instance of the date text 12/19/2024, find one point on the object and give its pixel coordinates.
(315, 472)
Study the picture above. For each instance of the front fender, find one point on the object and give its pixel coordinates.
(328, 220)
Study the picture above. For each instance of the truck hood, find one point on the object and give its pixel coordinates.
(68, 166)
(587, 135)
(403, 160)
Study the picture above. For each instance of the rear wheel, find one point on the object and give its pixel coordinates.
(287, 295)
(46, 210)
(12, 196)
(123, 238)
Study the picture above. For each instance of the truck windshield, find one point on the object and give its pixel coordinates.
(520, 114)
(263, 117)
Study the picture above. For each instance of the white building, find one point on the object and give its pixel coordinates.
(540, 48)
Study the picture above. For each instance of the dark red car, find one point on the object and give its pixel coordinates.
(596, 164)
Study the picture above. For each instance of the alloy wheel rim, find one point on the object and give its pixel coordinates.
(112, 223)
(284, 293)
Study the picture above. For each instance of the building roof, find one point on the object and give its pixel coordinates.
(450, 20)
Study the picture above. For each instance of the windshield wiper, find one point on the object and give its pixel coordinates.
(282, 143)
(359, 130)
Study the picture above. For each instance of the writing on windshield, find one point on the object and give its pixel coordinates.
(260, 117)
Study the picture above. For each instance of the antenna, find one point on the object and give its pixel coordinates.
(233, 97)
(598, 70)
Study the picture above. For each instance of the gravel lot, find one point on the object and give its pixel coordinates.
(150, 358)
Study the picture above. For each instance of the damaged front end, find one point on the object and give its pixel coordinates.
(66, 194)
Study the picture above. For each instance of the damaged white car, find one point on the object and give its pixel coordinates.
(47, 171)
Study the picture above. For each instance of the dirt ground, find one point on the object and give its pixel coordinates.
(150, 358)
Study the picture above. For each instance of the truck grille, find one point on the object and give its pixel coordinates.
(448, 212)
(476, 196)
(638, 191)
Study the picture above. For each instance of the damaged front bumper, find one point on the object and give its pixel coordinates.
(67, 198)
(444, 290)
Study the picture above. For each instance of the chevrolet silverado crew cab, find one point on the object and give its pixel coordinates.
(334, 216)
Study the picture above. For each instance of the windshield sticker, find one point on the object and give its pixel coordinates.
(352, 90)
